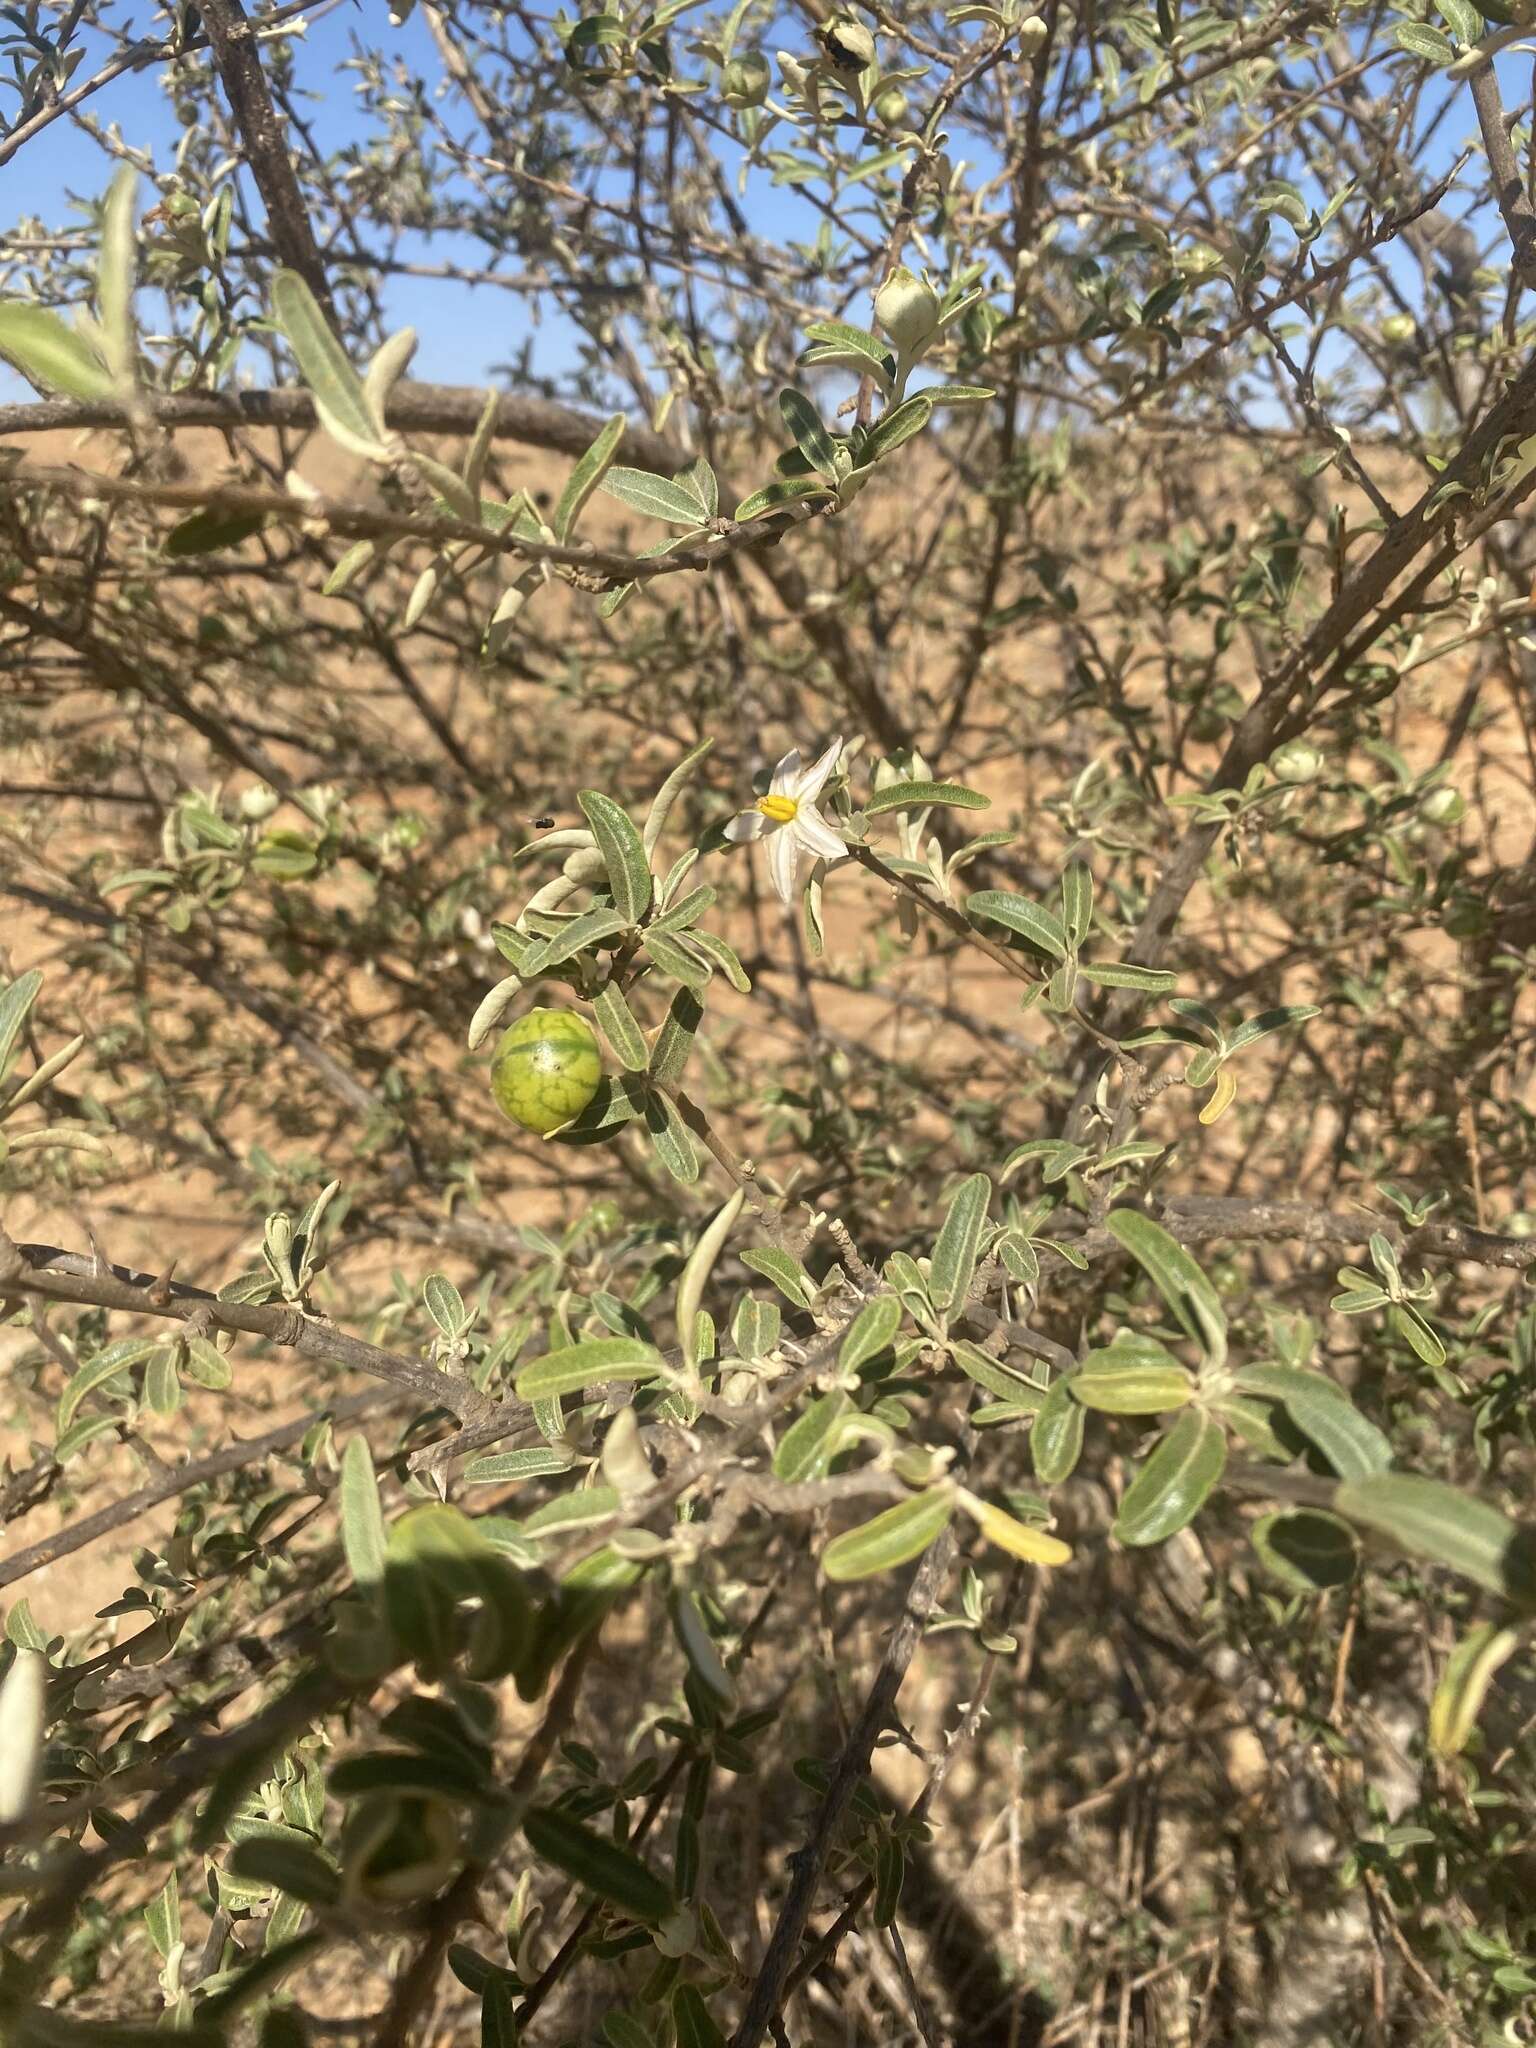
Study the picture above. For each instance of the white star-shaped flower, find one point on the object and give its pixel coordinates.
(787, 816)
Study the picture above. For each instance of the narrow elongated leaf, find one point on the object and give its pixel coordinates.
(713, 947)
(445, 1305)
(896, 428)
(597, 1863)
(665, 797)
(617, 1022)
(1470, 1670)
(205, 533)
(1270, 1020)
(674, 1041)
(1130, 1386)
(629, 871)
(264, 1974)
(583, 1509)
(912, 796)
(981, 1367)
(901, 1533)
(694, 2024)
(698, 1646)
(1041, 927)
(536, 1461)
(1175, 1482)
(677, 960)
(811, 437)
(1056, 1439)
(324, 366)
(682, 915)
(590, 929)
(1154, 981)
(23, 1719)
(1177, 1278)
(101, 1370)
(855, 343)
(498, 2014)
(1034, 1546)
(297, 1868)
(807, 1447)
(786, 1272)
(16, 1001)
(162, 1916)
(584, 479)
(652, 495)
(671, 1139)
(407, 1770)
(1077, 900)
(870, 1332)
(115, 277)
(1429, 1519)
(589, 1364)
(1325, 1415)
(695, 1275)
(491, 1008)
(363, 1534)
(50, 355)
(390, 362)
(959, 1242)
(775, 497)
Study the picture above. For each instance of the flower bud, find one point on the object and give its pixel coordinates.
(745, 81)
(908, 309)
(848, 44)
(258, 802)
(891, 106)
(1444, 805)
(1031, 34)
(1296, 762)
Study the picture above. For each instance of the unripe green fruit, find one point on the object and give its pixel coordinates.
(745, 81)
(1399, 327)
(891, 106)
(546, 1070)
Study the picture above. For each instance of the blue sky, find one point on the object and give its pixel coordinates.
(464, 331)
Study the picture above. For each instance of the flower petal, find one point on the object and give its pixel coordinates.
(785, 774)
(746, 825)
(783, 858)
(809, 785)
(813, 831)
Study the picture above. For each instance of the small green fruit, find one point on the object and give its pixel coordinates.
(546, 1070)
(891, 106)
(745, 81)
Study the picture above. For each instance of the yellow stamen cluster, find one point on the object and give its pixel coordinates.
(780, 808)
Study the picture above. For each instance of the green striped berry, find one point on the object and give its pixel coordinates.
(546, 1070)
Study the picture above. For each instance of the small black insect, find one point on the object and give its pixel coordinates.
(542, 824)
